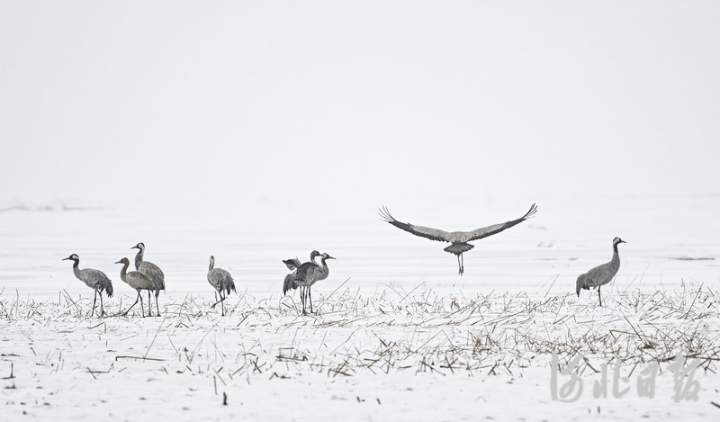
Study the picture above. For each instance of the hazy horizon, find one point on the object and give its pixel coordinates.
(318, 106)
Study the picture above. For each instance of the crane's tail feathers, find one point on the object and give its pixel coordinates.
(230, 288)
(532, 211)
(580, 284)
(385, 214)
(109, 290)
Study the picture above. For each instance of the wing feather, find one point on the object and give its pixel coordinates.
(497, 228)
(292, 263)
(426, 232)
(154, 273)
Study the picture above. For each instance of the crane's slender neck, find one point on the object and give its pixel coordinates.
(139, 258)
(616, 254)
(212, 265)
(76, 268)
(123, 271)
(325, 268)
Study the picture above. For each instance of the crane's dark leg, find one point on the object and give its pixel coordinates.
(599, 297)
(300, 289)
(157, 307)
(462, 264)
(102, 307)
(149, 304)
(142, 305)
(310, 297)
(303, 297)
(131, 306)
(222, 304)
(92, 313)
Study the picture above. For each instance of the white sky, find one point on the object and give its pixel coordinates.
(374, 102)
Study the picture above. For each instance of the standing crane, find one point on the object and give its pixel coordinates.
(152, 271)
(290, 281)
(222, 282)
(308, 274)
(94, 279)
(458, 240)
(602, 274)
(137, 281)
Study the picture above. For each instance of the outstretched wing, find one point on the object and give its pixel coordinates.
(426, 232)
(497, 228)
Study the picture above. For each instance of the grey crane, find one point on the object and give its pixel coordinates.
(602, 274)
(458, 240)
(307, 274)
(293, 264)
(137, 281)
(152, 271)
(94, 279)
(222, 282)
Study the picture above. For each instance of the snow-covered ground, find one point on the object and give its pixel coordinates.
(398, 335)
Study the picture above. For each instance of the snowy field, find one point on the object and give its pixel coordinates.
(397, 336)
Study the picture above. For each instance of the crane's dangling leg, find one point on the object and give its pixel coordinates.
(599, 297)
(462, 264)
(92, 313)
(131, 306)
(157, 307)
(459, 266)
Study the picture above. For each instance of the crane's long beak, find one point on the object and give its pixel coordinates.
(622, 241)
(331, 257)
(135, 247)
(119, 262)
(65, 259)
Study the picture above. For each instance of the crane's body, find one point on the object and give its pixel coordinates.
(458, 239)
(152, 271)
(602, 274)
(221, 281)
(137, 281)
(95, 279)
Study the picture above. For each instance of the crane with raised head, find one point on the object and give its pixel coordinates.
(95, 279)
(152, 271)
(222, 282)
(602, 274)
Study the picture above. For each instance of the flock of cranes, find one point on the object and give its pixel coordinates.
(303, 275)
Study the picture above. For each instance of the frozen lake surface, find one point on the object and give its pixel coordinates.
(665, 235)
